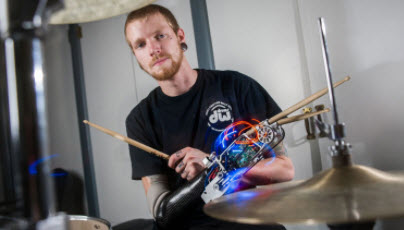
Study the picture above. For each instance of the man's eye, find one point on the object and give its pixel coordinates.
(160, 36)
(140, 45)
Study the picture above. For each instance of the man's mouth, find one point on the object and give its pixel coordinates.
(160, 61)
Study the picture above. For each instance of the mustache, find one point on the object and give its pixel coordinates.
(158, 57)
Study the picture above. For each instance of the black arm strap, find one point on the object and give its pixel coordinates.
(180, 201)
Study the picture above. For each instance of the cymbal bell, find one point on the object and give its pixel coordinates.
(338, 195)
(79, 11)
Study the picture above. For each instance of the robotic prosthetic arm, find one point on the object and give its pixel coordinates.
(166, 206)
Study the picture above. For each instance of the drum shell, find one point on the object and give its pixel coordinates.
(10, 223)
(87, 223)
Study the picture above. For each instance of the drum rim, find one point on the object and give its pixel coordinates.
(81, 217)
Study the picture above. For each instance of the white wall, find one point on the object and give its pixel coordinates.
(276, 42)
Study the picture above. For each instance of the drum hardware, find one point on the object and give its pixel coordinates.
(319, 117)
(310, 124)
(309, 128)
(345, 193)
(87, 223)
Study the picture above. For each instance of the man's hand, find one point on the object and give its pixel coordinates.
(187, 162)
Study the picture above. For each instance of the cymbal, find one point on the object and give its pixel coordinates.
(338, 195)
(78, 11)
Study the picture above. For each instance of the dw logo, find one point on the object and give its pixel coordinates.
(219, 115)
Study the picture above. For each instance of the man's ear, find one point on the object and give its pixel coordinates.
(181, 35)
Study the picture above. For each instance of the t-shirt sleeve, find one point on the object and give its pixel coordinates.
(143, 163)
(255, 100)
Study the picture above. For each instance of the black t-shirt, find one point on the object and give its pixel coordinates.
(194, 119)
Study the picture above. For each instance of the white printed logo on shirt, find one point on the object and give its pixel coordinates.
(219, 115)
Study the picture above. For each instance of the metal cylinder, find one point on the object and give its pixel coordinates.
(31, 93)
(27, 131)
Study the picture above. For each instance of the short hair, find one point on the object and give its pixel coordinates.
(149, 10)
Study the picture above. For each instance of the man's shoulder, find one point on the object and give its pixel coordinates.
(227, 76)
(223, 73)
(143, 107)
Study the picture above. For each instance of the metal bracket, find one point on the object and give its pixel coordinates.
(42, 14)
(309, 128)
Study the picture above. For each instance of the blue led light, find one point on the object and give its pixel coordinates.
(33, 171)
(59, 174)
(236, 150)
(226, 137)
(246, 195)
(235, 175)
(273, 156)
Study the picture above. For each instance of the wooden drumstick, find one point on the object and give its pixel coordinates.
(301, 117)
(129, 141)
(301, 103)
(304, 102)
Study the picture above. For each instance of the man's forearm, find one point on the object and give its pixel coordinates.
(270, 170)
(277, 168)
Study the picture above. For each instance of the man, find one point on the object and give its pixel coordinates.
(183, 117)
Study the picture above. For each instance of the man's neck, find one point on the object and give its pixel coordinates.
(182, 81)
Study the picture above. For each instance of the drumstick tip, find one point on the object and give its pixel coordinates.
(85, 121)
(347, 78)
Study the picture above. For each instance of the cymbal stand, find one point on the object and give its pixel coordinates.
(336, 131)
(341, 150)
(23, 26)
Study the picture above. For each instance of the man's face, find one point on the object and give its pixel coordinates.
(156, 46)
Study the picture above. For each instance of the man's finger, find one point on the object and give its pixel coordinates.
(184, 174)
(175, 158)
(180, 167)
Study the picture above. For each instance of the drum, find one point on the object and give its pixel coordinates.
(87, 223)
(10, 223)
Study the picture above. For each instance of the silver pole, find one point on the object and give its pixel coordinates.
(337, 130)
(328, 69)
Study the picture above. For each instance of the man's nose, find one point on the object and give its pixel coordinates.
(155, 48)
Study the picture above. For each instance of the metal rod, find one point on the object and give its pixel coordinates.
(328, 69)
(203, 39)
(82, 114)
(337, 129)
